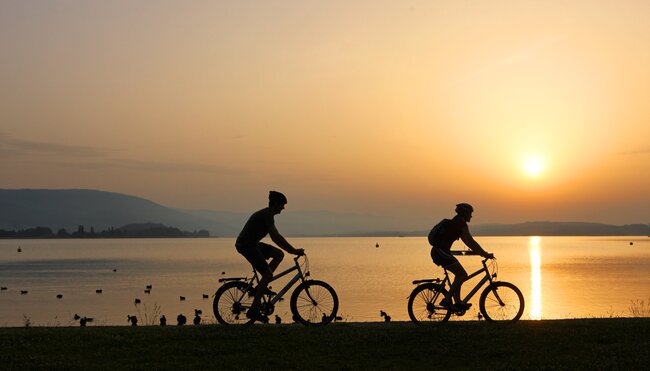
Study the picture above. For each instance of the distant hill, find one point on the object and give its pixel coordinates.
(543, 229)
(560, 229)
(306, 223)
(70, 208)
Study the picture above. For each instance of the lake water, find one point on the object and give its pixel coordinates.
(560, 277)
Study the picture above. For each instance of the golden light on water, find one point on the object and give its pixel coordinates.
(535, 278)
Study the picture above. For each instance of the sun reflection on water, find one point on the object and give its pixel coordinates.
(534, 247)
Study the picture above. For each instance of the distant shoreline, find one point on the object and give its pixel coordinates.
(302, 236)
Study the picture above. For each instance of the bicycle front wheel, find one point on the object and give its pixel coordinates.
(424, 304)
(502, 301)
(314, 303)
(231, 302)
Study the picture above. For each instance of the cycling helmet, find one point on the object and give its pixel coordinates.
(277, 198)
(464, 208)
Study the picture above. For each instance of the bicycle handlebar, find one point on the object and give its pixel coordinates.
(469, 252)
(462, 252)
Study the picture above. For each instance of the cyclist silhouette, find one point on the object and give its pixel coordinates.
(248, 244)
(440, 253)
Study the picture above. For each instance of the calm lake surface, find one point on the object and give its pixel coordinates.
(560, 277)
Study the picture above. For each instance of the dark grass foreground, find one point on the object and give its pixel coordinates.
(622, 344)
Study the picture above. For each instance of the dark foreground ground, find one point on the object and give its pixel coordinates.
(622, 344)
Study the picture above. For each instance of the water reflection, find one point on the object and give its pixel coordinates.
(534, 247)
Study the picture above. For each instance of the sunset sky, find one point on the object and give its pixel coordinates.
(529, 110)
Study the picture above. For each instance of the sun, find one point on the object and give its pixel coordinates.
(533, 166)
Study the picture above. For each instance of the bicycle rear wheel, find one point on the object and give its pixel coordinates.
(314, 303)
(231, 302)
(424, 304)
(502, 301)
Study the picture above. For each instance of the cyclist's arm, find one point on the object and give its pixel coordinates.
(467, 238)
(282, 242)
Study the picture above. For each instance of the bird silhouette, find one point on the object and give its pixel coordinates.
(147, 291)
(137, 301)
(99, 291)
(182, 298)
(278, 320)
(59, 296)
(197, 317)
(133, 320)
(181, 319)
(23, 292)
(385, 315)
(205, 296)
(148, 287)
(163, 320)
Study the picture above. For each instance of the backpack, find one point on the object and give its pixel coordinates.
(438, 230)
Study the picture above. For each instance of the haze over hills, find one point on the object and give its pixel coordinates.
(69, 208)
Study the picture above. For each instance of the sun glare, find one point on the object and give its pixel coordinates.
(533, 166)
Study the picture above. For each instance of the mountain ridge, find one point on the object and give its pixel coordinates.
(70, 208)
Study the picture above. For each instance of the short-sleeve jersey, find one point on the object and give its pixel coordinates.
(452, 232)
(257, 227)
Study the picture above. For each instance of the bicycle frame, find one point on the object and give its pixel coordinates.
(480, 284)
(254, 281)
(446, 282)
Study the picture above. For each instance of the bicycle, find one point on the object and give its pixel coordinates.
(499, 301)
(313, 303)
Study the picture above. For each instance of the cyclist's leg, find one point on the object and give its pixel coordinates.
(254, 256)
(271, 252)
(444, 259)
(460, 275)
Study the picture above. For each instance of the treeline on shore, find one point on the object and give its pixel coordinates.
(144, 230)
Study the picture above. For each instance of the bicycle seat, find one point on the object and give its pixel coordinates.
(232, 279)
(426, 280)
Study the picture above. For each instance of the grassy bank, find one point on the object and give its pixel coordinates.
(567, 344)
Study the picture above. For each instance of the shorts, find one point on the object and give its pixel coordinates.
(257, 254)
(442, 257)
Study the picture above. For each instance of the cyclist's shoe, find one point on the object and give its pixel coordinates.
(463, 306)
(255, 315)
(447, 304)
(251, 292)
(268, 291)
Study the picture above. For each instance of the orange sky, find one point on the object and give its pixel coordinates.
(381, 107)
